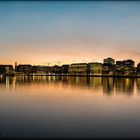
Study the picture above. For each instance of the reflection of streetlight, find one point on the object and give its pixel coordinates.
(14, 83)
(7, 83)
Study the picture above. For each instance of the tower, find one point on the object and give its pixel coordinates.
(15, 66)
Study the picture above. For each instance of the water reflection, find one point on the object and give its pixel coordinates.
(109, 86)
(49, 106)
(125, 85)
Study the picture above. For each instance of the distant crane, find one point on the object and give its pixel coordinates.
(49, 64)
(59, 63)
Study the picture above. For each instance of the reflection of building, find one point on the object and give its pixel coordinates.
(128, 86)
(108, 66)
(124, 85)
(76, 81)
(78, 68)
(95, 82)
(138, 85)
(119, 84)
(108, 85)
(95, 68)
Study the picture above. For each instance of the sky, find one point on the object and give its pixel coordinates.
(45, 33)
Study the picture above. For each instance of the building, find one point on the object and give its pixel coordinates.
(26, 69)
(109, 60)
(138, 69)
(78, 69)
(49, 69)
(108, 67)
(6, 69)
(119, 68)
(34, 69)
(129, 63)
(56, 69)
(64, 69)
(15, 66)
(95, 68)
(41, 70)
(125, 68)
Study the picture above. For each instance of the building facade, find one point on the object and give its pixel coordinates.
(125, 68)
(78, 69)
(95, 68)
(64, 69)
(6, 69)
(26, 69)
(119, 68)
(109, 60)
(108, 67)
(138, 69)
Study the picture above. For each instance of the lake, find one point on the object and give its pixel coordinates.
(69, 107)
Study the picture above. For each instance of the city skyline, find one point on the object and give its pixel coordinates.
(90, 62)
(42, 32)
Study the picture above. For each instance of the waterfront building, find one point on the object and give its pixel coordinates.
(119, 68)
(135, 71)
(109, 60)
(125, 68)
(138, 69)
(95, 68)
(49, 69)
(129, 63)
(78, 69)
(6, 69)
(108, 67)
(64, 69)
(129, 67)
(25, 68)
(41, 70)
(56, 69)
(34, 69)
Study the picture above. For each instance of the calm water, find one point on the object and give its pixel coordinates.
(70, 107)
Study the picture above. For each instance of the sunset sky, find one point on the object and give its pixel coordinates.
(42, 32)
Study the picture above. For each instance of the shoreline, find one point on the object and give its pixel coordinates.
(73, 75)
